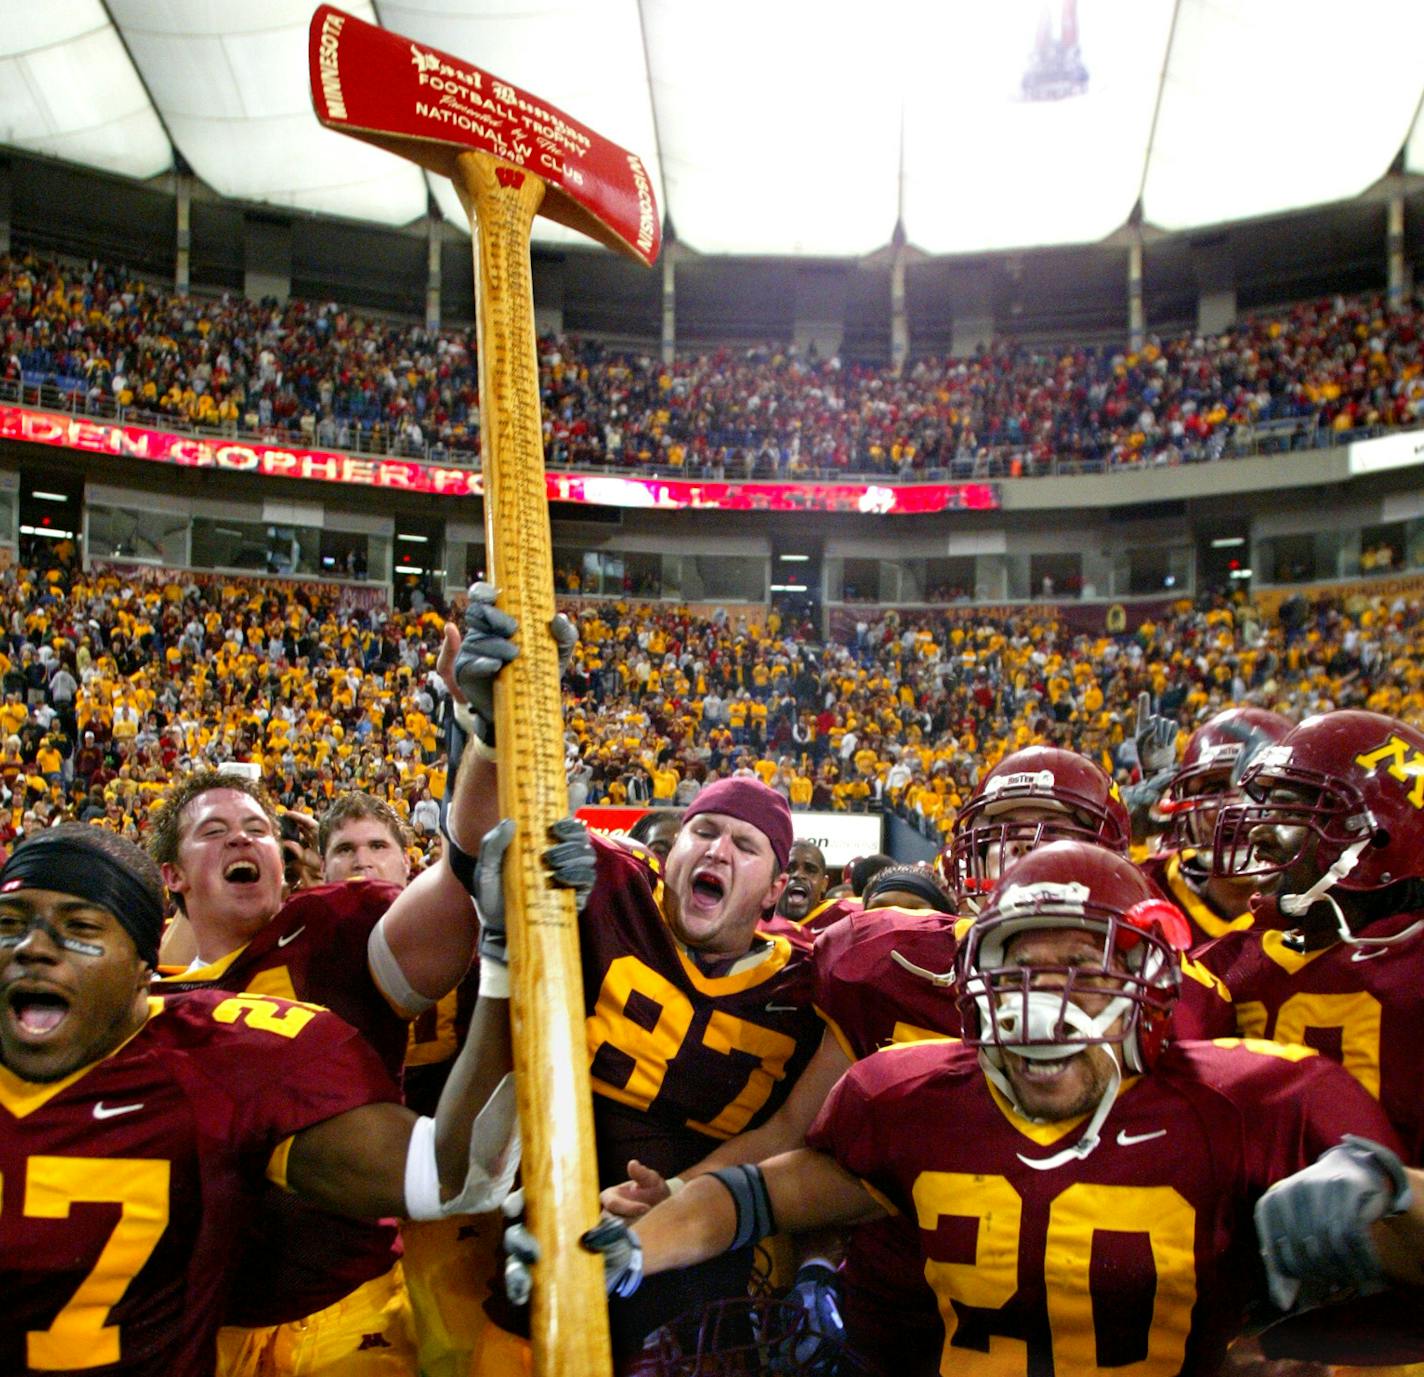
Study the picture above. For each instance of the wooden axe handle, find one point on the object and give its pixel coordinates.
(569, 1321)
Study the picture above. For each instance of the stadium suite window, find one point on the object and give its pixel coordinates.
(721, 578)
(860, 580)
(221, 543)
(1300, 558)
(1145, 570)
(145, 537)
(1385, 548)
(1053, 576)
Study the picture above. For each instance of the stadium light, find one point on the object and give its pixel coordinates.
(48, 532)
(419, 539)
(1228, 542)
(48, 496)
(794, 559)
(1241, 573)
(409, 569)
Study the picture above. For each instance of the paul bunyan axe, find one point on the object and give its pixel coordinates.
(512, 156)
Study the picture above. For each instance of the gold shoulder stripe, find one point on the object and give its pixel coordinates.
(1265, 1047)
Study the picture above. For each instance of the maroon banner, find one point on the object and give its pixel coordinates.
(403, 475)
(1112, 618)
(429, 106)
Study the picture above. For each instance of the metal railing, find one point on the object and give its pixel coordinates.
(996, 463)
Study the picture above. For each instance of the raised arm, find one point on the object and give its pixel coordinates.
(428, 934)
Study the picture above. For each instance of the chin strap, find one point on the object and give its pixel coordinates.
(1044, 1013)
(1297, 905)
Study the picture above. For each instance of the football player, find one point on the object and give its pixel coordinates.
(1080, 1184)
(698, 1022)
(1331, 833)
(333, 1297)
(139, 1128)
(806, 881)
(1036, 795)
(362, 838)
(1218, 753)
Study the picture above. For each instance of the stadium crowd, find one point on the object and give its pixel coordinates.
(1000, 734)
(320, 374)
(113, 682)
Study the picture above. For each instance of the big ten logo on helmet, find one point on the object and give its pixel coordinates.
(1402, 762)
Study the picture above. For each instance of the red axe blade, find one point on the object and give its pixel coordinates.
(430, 107)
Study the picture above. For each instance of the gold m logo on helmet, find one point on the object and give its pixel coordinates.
(1404, 762)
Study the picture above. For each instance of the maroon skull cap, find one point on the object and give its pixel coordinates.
(749, 801)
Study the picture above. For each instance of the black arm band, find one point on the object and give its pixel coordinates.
(748, 1191)
(461, 862)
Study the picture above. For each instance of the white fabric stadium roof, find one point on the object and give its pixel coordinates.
(777, 126)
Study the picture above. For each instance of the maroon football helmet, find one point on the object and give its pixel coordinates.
(1355, 782)
(1071, 798)
(1217, 755)
(1073, 884)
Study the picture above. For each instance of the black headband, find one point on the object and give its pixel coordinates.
(53, 861)
(908, 882)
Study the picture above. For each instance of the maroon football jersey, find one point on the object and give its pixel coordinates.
(867, 996)
(827, 912)
(1164, 869)
(870, 1001)
(1142, 1254)
(681, 1055)
(123, 1185)
(1360, 1006)
(313, 950)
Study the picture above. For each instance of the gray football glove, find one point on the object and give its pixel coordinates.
(572, 864)
(489, 891)
(1155, 738)
(572, 861)
(622, 1255)
(521, 1252)
(488, 646)
(485, 649)
(1314, 1227)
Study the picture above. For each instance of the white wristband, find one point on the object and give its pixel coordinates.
(494, 979)
(422, 1176)
(674, 1184)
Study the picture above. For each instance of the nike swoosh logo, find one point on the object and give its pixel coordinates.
(782, 1009)
(1126, 1139)
(291, 936)
(1368, 953)
(103, 1111)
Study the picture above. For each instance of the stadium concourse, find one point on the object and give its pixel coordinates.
(325, 375)
(113, 683)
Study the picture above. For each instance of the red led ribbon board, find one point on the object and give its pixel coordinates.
(404, 475)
